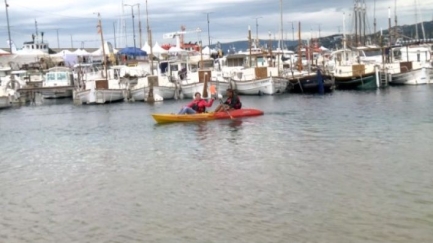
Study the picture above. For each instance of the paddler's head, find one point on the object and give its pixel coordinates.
(230, 93)
(197, 96)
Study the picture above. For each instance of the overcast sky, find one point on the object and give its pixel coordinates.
(229, 19)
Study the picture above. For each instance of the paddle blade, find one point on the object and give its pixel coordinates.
(212, 89)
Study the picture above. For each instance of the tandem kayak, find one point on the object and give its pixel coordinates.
(167, 118)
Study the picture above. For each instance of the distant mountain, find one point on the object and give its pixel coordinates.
(334, 41)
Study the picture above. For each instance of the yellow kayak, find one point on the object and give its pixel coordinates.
(167, 118)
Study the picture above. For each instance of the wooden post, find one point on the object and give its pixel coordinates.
(299, 48)
(150, 96)
(206, 76)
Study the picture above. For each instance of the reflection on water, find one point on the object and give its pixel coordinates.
(342, 167)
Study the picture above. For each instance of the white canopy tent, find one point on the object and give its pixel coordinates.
(81, 52)
(157, 49)
(146, 48)
(99, 52)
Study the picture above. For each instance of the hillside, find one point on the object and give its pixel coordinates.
(335, 41)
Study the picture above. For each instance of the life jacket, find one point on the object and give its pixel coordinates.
(234, 103)
(199, 108)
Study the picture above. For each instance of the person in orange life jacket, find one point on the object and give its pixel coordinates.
(198, 105)
(232, 103)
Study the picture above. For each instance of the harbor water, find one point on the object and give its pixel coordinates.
(342, 167)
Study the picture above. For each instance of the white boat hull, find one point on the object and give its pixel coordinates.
(162, 92)
(100, 96)
(414, 77)
(56, 94)
(188, 90)
(167, 93)
(138, 94)
(267, 86)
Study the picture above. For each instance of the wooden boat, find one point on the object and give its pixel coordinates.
(361, 83)
(168, 118)
(310, 84)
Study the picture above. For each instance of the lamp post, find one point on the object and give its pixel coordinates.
(257, 30)
(133, 22)
(9, 29)
(58, 42)
(208, 31)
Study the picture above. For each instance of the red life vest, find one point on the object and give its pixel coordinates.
(199, 106)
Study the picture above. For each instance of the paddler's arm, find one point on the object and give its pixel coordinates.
(210, 103)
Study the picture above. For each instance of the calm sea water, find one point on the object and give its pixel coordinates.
(345, 167)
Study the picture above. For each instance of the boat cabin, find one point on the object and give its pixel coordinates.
(58, 76)
(235, 60)
(370, 55)
(28, 76)
(413, 53)
(34, 47)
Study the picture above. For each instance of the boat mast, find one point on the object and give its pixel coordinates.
(281, 25)
(389, 27)
(149, 39)
(344, 37)
(374, 13)
(249, 43)
(395, 20)
(416, 21)
(103, 45)
(355, 10)
(124, 25)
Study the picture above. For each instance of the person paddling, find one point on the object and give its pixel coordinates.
(232, 103)
(198, 105)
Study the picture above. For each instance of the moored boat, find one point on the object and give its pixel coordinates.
(360, 83)
(169, 118)
(310, 84)
(58, 83)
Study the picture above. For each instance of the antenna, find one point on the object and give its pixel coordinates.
(36, 28)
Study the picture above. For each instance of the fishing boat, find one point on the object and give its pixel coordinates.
(169, 118)
(58, 83)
